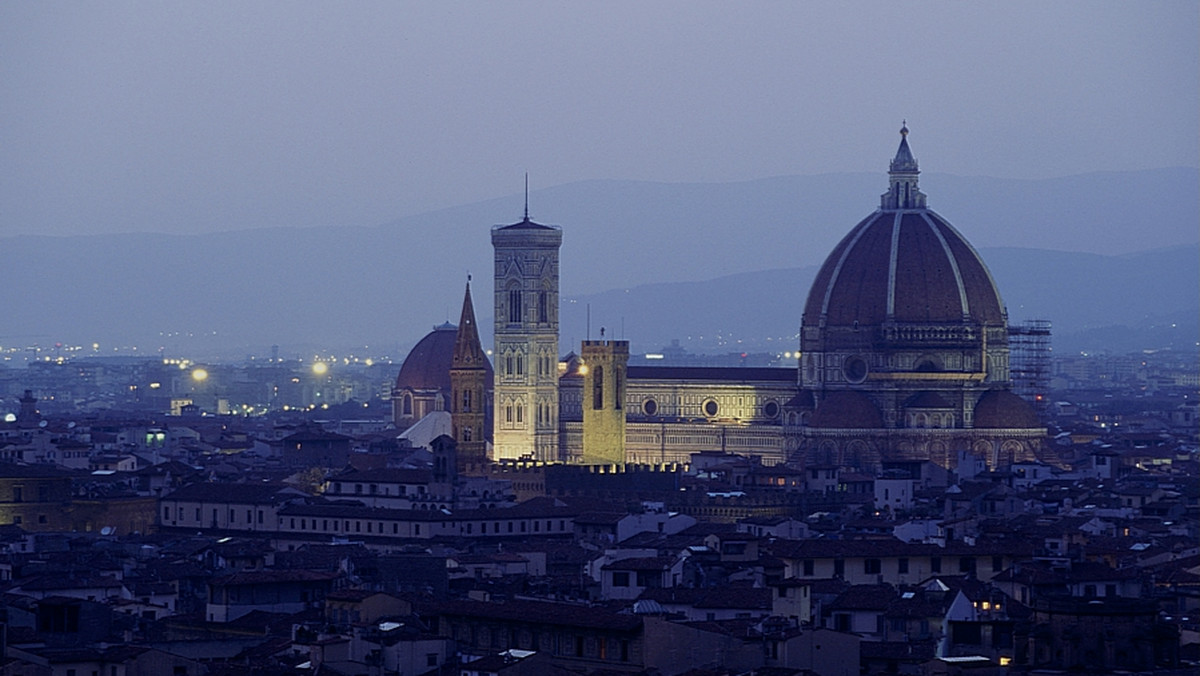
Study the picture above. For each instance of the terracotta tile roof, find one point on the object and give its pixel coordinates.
(558, 614)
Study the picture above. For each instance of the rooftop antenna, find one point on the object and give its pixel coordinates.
(527, 195)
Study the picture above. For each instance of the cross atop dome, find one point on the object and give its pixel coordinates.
(902, 178)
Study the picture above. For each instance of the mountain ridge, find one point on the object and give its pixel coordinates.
(385, 285)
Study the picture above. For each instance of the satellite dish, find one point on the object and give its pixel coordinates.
(107, 530)
(71, 425)
(43, 423)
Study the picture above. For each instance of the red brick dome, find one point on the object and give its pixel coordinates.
(1001, 409)
(903, 264)
(904, 267)
(847, 409)
(427, 366)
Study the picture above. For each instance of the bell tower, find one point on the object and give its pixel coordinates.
(468, 383)
(526, 332)
(605, 363)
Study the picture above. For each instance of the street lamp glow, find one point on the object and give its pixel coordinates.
(199, 375)
(320, 368)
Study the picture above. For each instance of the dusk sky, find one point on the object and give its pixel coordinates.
(206, 116)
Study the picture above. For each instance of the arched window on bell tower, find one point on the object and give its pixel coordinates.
(514, 306)
(598, 389)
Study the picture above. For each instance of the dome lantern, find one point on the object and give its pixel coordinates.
(902, 179)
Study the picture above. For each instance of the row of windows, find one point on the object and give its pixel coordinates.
(380, 527)
(250, 517)
(513, 364)
(710, 407)
(374, 489)
(516, 305)
(568, 645)
(966, 564)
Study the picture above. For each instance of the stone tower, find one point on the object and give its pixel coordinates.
(468, 387)
(526, 353)
(604, 401)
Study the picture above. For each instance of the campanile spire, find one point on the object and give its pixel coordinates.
(468, 390)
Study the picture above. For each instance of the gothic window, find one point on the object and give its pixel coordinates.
(520, 413)
(520, 364)
(543, 306)
(617, 389)
(407, 404)
(508, 413)
(466, 401)
(514, 306)
(466, 434)
(598, 389)
(508, 365)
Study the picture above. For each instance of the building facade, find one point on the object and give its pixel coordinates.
(904, 358)
(469, 389)
(904, 345)
(526, 338)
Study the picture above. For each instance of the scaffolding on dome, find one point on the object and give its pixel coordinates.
(1030, 364)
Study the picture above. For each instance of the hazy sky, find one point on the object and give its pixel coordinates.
(201, 116)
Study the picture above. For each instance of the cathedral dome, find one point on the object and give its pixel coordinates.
(1001, 409)
(903, 264)
(903, 267)
(847, 409)
(427, 366)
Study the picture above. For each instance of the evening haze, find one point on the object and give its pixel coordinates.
(189, 118)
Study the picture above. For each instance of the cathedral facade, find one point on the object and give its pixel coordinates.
(904, 358)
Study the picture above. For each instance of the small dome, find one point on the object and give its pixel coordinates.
(427, 366)
(1001, 409)
(847, 409)
(803, 401)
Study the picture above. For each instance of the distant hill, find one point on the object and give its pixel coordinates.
(684, 258)
(1129, 302)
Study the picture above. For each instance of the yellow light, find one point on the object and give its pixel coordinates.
(370, 362)
(583, 369)
(199, 375)
(155, 386)
(320, 368)
(1005, 661)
